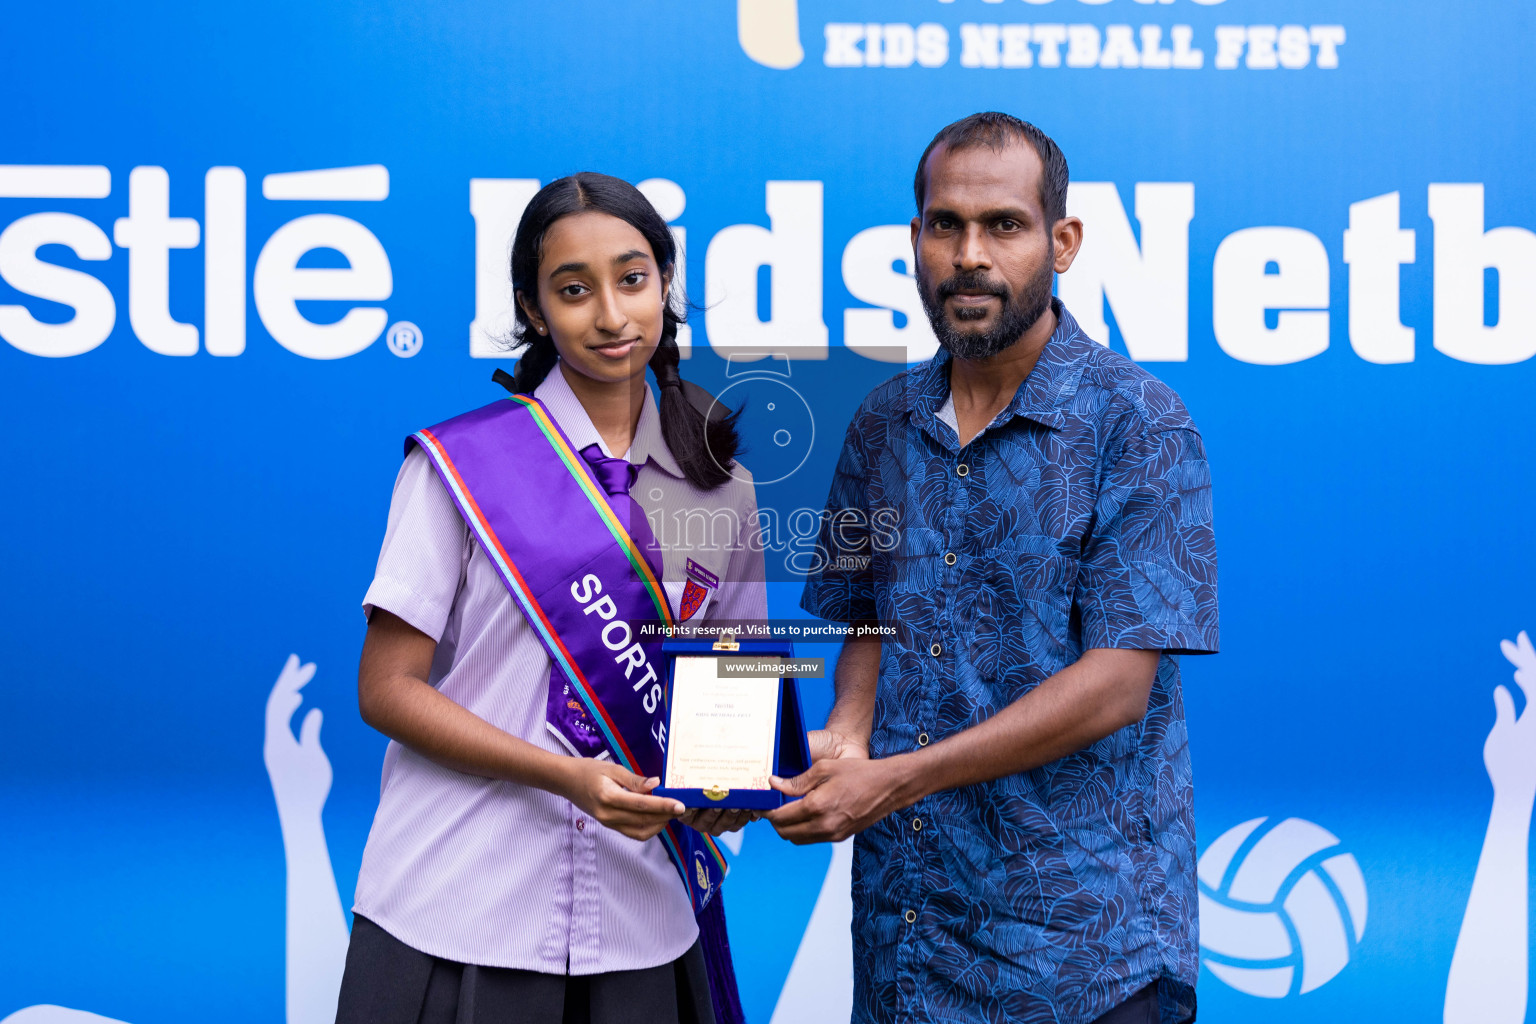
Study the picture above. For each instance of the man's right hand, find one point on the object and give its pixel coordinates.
(620, 799)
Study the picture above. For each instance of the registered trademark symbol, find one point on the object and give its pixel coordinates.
(403, 339)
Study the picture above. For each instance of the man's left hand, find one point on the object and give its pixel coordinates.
(840, 796)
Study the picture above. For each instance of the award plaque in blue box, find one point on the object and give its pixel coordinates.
(732, 721)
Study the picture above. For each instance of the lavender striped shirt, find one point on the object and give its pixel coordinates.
(496, 873)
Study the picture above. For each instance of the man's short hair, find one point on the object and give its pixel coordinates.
(995, 131)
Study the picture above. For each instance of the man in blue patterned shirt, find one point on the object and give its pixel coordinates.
(1014, 760)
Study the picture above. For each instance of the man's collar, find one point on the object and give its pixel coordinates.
(1041, 398)
(556, 394)
(1053, 381)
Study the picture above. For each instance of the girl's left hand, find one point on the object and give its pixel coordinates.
(617, 797)
(719, 821)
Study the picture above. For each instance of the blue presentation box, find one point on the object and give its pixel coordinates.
(791, 750)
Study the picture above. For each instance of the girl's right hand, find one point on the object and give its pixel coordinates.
(620, 799)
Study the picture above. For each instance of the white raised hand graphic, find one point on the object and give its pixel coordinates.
(299, 770)
(1510, 751)
(820, 982)
(317, 927)
(301, 780)
(1489, 969)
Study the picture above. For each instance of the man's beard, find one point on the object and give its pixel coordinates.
(1019, 312)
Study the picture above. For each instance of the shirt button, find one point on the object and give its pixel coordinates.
(917, 824)
(962, 469)
(922, 739)
(936, 650)
(581, 824)
(949, 558)
(910, 916)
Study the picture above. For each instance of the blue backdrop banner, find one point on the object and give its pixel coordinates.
(246, 248)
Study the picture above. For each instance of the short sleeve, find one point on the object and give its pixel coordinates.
(423, 560)
(840, 576)
(1147, 579)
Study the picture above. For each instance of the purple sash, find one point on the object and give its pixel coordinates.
(580, 579)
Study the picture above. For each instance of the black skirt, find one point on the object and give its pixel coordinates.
(388, 982)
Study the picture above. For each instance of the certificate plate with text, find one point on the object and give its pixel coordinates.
(723, 729)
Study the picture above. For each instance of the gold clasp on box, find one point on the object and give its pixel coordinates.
(717, 793)
(727, 642)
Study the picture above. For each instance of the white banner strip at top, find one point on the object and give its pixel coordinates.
(370, 182)
(54, 181)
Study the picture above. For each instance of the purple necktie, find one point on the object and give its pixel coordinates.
(616, 476)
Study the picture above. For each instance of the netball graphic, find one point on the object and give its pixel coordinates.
(1281, 908)
(769, 32)
(49, 1014)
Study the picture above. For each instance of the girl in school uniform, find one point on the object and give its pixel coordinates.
(519, 867)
